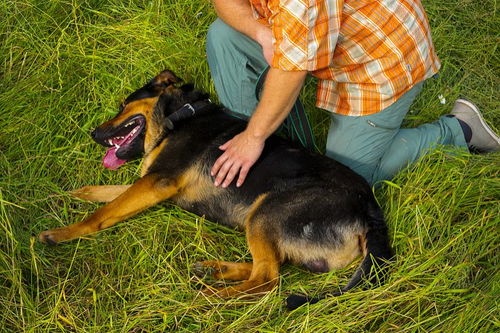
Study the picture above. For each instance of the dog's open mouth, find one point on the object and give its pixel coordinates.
(120, 141)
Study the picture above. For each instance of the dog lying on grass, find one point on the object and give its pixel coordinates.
(295, 205)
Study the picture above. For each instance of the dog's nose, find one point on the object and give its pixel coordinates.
(93, 134)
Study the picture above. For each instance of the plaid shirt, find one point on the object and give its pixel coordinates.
(365, 53)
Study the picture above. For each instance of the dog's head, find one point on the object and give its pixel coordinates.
(143, 118)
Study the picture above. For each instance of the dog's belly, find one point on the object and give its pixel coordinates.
(322, 258)
(317, 266)
(216, 211)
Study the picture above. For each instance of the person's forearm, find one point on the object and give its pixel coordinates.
(281, 89)
(280, 92)
(238, 14)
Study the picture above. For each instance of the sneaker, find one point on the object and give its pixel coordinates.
(483, 139)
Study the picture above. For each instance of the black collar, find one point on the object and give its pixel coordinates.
(187, 111)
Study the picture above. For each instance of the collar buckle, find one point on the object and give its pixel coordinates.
(190, 108)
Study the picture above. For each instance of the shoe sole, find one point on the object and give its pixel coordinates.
(481, 120)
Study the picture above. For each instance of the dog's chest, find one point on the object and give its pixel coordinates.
(151, 157)
(199, 195)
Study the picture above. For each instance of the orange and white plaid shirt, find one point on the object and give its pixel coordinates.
(365, 53)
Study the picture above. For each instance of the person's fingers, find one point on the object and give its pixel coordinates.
(243, 174)
(221, 175)
(224, 146)
(231, 174)
(217, 165)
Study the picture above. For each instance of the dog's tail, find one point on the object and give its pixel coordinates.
(378, 252)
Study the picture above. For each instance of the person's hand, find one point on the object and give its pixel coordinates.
(264, 37)
(240, 154)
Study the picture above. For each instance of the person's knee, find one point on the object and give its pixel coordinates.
(398, 156)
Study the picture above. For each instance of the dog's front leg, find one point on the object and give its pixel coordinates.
(145, 193)
(100, 193)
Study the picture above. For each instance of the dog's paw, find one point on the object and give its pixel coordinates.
(48, 237)
(81, 193)
(100, 193)
(210, 291)
(223, 270)
(205, 269)
(56, 236)
(89, 193)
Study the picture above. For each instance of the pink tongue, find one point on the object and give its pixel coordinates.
(111, 161)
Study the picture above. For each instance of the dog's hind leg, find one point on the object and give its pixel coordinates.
(145, 193)
(223, 270)
(101, 193)
(266, 262)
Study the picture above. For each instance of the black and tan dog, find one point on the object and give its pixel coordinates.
(294, 205)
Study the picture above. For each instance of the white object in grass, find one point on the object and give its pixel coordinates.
(442, 100)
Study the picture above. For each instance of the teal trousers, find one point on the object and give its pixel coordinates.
(375, 146)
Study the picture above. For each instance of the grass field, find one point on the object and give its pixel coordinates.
(64, 68)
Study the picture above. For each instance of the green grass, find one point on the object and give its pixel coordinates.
(64, 68)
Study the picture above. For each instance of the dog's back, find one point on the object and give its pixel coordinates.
(284, 169)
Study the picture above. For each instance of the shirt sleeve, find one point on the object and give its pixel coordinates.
(305, 33)
(260, 11)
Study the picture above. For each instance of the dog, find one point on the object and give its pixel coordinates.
(294, 206)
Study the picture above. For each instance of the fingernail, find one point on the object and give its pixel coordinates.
(216, 183)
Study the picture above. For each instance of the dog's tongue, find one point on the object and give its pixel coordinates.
(111, 161)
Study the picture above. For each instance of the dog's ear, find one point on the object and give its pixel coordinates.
(165, 79)
(157, 86)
